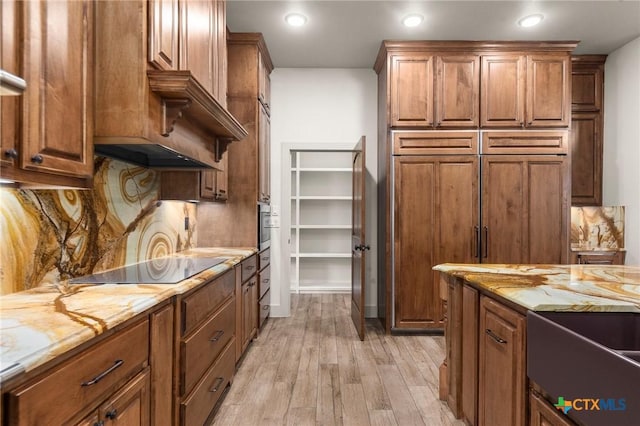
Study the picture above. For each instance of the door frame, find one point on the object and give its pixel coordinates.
(285, 210)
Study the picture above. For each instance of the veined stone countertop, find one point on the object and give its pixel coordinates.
(40, 324)
(599, 288)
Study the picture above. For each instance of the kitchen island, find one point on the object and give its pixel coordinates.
(137, 342)
(484, 376)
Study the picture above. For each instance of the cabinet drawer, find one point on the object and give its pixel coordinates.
(249, 267)
(265, 258)
(83, 380)
(436, 142)
(200, 349)
(265, 281)
(195, 409)
(199, 305)
(525, 142)
(265, 307)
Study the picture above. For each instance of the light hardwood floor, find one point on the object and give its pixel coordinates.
(311, 369)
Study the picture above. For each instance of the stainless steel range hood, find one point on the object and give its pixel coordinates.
(181, 126)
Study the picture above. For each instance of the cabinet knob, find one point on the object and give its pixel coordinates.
(11, 153)
(38, 159)
(112, 414)
(217, 384)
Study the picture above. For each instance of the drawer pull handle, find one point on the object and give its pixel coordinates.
(495, 337)
(112, 414)
(102, 375)
(265, 258)
(266, 280)
(217, 384)
(250, 267)
(265, 307)
(99, 423)
(217, 337)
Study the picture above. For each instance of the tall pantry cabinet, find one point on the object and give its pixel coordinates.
(473, 143)
(248, 89)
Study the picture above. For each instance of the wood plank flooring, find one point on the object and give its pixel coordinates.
(311, 369)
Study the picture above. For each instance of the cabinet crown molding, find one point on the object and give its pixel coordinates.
(388, 47)
(253, 39)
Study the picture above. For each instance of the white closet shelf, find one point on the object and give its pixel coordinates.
(318, 169)
(322, 197)
(321, 255)
(321, 226)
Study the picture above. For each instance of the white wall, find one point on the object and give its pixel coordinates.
(320, 107)
(621, 159)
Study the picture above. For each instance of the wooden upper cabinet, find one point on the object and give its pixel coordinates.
(163, 34)
(548, 91)
(586, 159)
(9, 105)
(587, 82)
(264, 157)
(198, 42)
(221, 37)
(457, 90)
(412, 90)
(264, 84)
(525, 90)
(503, 91)
(448, 98)
(49, 129)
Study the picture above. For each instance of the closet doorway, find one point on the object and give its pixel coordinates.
(319, 188)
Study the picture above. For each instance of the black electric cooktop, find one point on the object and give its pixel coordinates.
(164, 270)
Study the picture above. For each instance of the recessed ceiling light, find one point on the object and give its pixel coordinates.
(296, 19)
(412, 20)
(531, 20)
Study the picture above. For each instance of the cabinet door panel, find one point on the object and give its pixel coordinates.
(208, 184)
(57, 107)
(9, 105)
(548, 210)
(428, 231)
(586, 159)
(198, 48)
(502, 388)
(264, 146)
(524, 209)
(129, 406)
(469, 365)
(457, 90)
(503, 91)
(412, 90)
(503, 209)
(587, 87)
(548, 86)
(163, 34)
(545, 414)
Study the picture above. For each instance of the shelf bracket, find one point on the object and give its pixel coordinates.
(172, 110)
(221, 147)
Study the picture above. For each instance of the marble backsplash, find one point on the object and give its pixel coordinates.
(49, 235)
(597, 228)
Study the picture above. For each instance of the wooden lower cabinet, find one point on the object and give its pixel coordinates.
(99, 376)
(502, 370)
(593, 257)
(129, 406)
(246, 304)
(469, 346)
(427, 231)
(542, 413)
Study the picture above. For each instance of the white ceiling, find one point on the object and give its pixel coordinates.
(347, 34)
